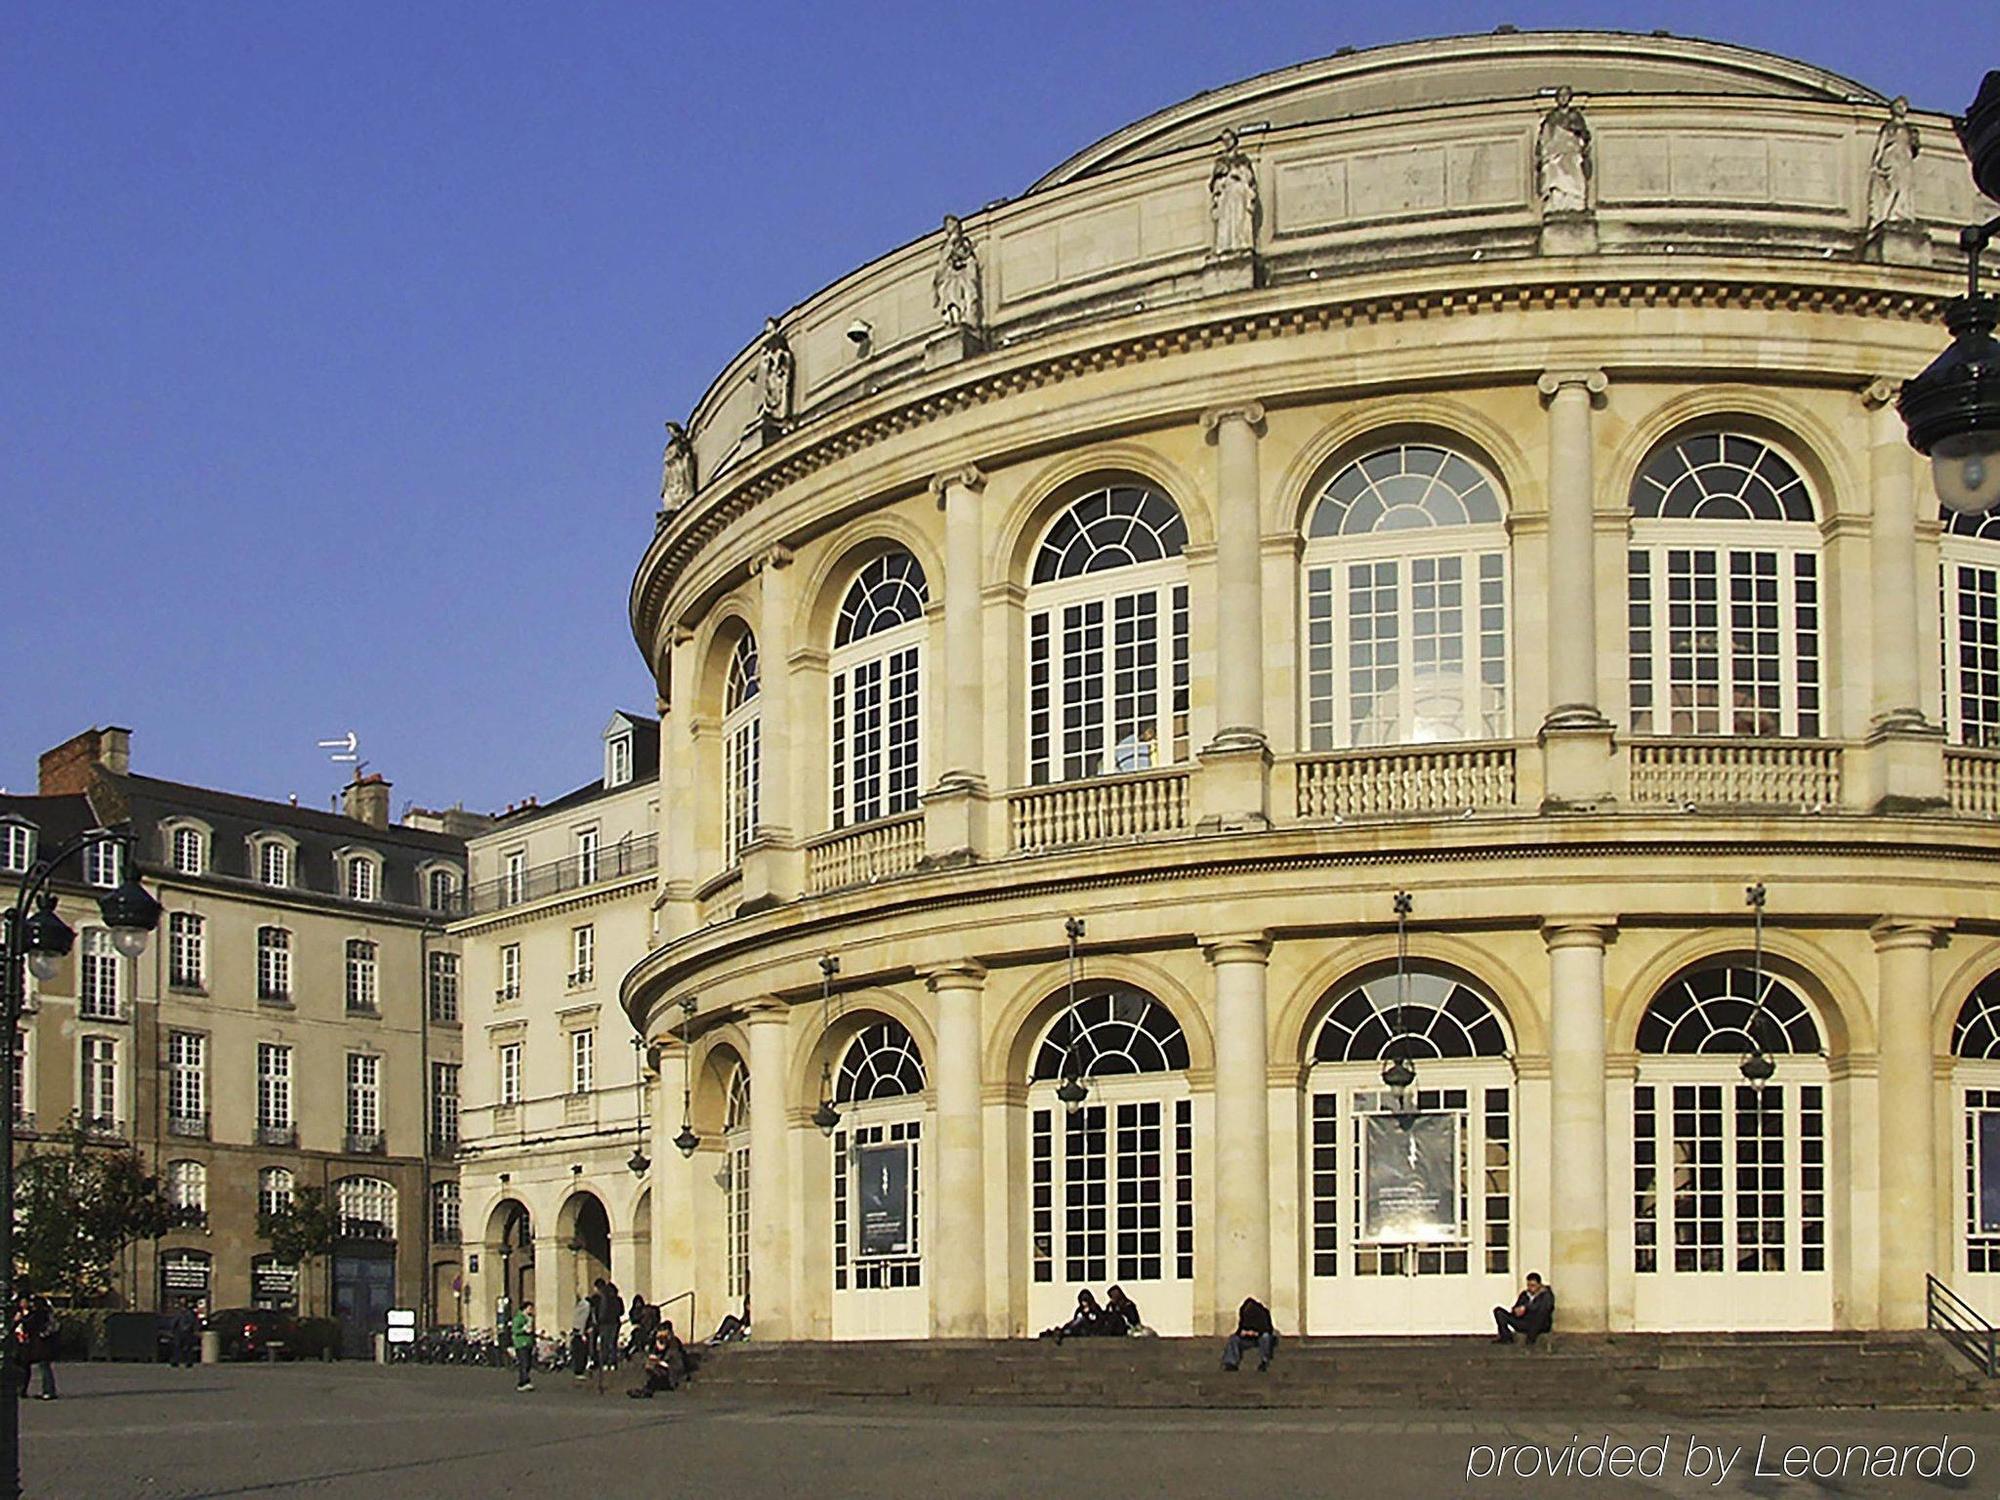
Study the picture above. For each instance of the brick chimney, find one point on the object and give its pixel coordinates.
(366, 800)
(67, 770)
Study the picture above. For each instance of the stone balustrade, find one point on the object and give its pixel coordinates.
(859, 856)
(1405, 779)
(1972, 782)
(1799, 774)
(1100, 810)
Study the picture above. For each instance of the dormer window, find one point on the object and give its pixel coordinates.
(441, 888)
(274, 862)
(17, 847)
(190, 851)
(618, 760)
(364, 880)
(103, 864)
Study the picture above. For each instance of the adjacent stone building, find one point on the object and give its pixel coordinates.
(556, 1088)
(295, 1022)
(1465, 472)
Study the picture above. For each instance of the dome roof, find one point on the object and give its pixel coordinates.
(1462, 70)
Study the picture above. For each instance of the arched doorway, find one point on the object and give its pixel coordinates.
(510, 1256)
(1729, 1175)
(736, 1189)
(878, 1235)
(585, 1231)
(1111, 1179)
(1975, 1078)
(1410, 1192)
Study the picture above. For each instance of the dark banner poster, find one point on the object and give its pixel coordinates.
(883, 1173)
(1989, 1173)
(1411, 1172)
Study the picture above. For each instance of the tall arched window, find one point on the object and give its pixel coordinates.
(742, 740)
(877, 691)
(1406, 603)
(1975, 1045)
(1972, 629)
(367, 1208)
(275, 1186)
(882, 1062)
(736, 1184)
(1108, 655)
(877, 1183)
(1723, 592)
(187, 1191)
(1729, 1174)
(1112, 1180)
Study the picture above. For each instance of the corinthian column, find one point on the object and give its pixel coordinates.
(1242, 1121)
(1576, 737)
(773, 870)
(957, 1255)
(770, 1190)
(1578, 1201)
(1235, 765)
(1908, 1137)
(954, 810)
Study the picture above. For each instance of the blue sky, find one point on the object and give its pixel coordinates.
(337, 339)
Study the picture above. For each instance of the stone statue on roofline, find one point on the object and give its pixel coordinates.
(774, 375)
(1562, 158)
(1232, 200)
(955, 283)
(677, 479)
(1892, 171)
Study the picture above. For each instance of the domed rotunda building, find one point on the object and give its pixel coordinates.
(1356, 694)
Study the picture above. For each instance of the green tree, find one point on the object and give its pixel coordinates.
(76, 1207)
(298, 1230)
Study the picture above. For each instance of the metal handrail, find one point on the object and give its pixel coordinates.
(687, 1297)
(627, 857)
(1961, 1325)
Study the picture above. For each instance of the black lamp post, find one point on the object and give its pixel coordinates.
(1757, 1067)
(1073, 1090)
(1399, 1072)
(827, 1116)
(687, 1140)
(37, 939)
(1953, 408)
(639, 1161)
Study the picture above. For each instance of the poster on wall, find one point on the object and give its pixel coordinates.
(883, 1176)
(1410, 1169)
(1989, 1173)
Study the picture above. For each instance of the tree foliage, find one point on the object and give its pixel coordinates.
(302, 1227)
(77, 1205)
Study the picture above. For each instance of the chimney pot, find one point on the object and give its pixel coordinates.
(366, 800)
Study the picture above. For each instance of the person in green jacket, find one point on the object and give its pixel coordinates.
(524, 1346)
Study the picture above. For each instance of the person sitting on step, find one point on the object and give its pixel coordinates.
(732, 1328)
(1086, 1322)
(1532, 1315)
(1121, 1313)
(666, 1363)
(1253, 1326)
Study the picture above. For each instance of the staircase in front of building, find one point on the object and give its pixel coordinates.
(1571, 1372)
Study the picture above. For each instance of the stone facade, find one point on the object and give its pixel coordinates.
(1570, 582)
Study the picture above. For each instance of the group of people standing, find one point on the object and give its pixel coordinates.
(598, 1341)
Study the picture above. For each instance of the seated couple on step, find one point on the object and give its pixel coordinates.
(668, 1362)
(1117, 1318)
(1532, 1315)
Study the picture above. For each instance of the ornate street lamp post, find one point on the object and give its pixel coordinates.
(1953, 408)
(687, 1140)
(827, 1116)
(1073, 1091)
(37, 939)
(1398, 1072)
(1757, 1067)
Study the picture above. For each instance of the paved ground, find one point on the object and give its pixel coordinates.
(363, 1431)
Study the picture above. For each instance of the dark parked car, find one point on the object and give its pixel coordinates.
(252, 1332)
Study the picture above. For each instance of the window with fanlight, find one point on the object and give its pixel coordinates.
(742, 747)
(1724, 610)
(878, 1162)
(876, 674)
(1406, 602)
(1971, 629)
(1108, 688)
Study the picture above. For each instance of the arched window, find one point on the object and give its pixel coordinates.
(443, 887)
(1435, 1015)
(187, 1190)
(1971, 586)
(1712, 1010)
(274, 860)
(1723, 592)
(877, 691)
(742, 741)
(275, 1186)
(1975, 1040)
(1406, 603)
(190, 851)
(367, 1208)
(736, 1183)
(882, 1062)
(1976, 1033)
(736, 1101)
(1108, 656)
(1122, 1030)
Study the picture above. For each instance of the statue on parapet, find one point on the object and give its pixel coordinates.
(1562, 158)
(677, 479)
(774, 375)
(1892, 171)
(955, 283)
(1232, 200)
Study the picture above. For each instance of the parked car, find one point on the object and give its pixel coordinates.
(251, 1332)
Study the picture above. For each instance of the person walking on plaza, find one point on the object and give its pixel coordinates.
(35, 1336)
(184, 1337)
(610, 1320)
(1253, 1326)
(1532, 1315)
(523, 1331)
(582, 1331)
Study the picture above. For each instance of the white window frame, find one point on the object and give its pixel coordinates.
(582, 1059)
(364, 979)
(100, 983)
(274, 1087)
(442, 989)
(98, 1083)
(508, 1068)
(275, 861)
(445, 1103)
(446, 1223)
(187, 950)
(618, 760)
(188, 849)
(17, 846)
(274, 964)
(587, 862)
(1969, 603)
(187, 1186)
(361, 879)
(742, 758)
(103, 865)
(24, 1083)
(514, 877)
(440, 887)
(583, 955)
(276, 1187)
(510, 972)
(187, 1076)
(364, 1093)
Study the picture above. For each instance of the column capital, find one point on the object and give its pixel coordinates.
(1880, 392)
(775, 557)
(1236, 947)
(766, 1012)
(1553, 382)
(959, 974)
(1894, 932)
(964, 477)
(1578, 932)
(1249, 413)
